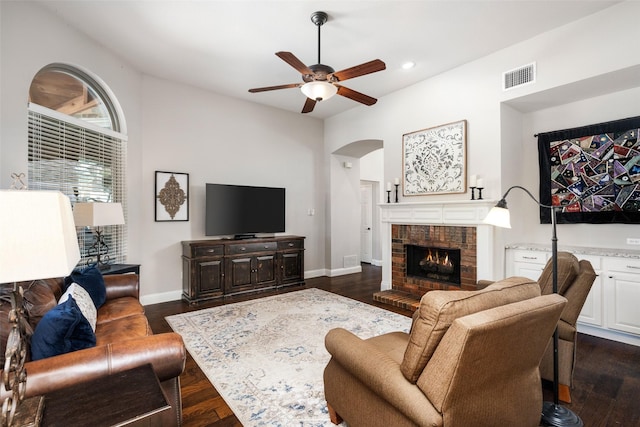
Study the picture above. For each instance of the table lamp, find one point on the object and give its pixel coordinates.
(38, 240)
(553, 414)
(97, 214)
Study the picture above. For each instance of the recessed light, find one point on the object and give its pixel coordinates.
(408, 65)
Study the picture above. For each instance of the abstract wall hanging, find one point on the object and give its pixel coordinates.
(592, 172)
(435, 160)
(172, 196)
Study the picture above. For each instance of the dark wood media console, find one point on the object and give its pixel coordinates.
(219, 267)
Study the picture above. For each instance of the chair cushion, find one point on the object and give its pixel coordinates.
(568, 267)
(123, 329)
(63, 329)
(438, 309)
(119, 308)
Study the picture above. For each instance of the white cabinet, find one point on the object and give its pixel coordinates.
(612, 307)
(527, 263)
(593, 306)
(623, 296)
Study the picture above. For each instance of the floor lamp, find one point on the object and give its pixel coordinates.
(553, 414)
(37, 241)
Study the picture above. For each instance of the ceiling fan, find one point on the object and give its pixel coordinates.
(321, 81)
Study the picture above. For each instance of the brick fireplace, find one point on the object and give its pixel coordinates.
(437, 242)
(441, 226)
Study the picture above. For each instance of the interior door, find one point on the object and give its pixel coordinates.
(366, 213)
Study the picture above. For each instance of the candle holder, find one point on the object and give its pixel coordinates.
(480, 193)
(388, 196)
(397, 185)
(473, 193)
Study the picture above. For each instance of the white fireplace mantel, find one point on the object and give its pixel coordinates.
(470, 213)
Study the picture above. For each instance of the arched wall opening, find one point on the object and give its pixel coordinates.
(353, 166)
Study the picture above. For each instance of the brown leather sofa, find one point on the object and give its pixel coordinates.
(124, 340)
(471, 359)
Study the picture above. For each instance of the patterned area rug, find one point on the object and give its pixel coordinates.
(266, 356)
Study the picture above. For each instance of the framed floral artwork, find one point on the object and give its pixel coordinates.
(434, 160)
(172, 196)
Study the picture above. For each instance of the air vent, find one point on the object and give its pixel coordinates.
(519, 76)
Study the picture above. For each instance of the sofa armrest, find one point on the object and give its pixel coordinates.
(122, 285)
(165, 352)
(378, 371)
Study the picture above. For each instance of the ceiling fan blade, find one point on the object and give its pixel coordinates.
(291, 59)
(309, 104)
(356, 96)
(359, 70)
(264, 89)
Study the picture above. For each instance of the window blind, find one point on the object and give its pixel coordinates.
(83, 161)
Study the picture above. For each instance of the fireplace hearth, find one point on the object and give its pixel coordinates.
(439, 264)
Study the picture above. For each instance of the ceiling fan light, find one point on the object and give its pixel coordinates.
(319, 91)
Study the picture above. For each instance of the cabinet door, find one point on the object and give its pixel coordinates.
(527, 264)
(291, 267)
(239, 274)
(623, 293)
(265, 270)
(211, 276)
(592, 309)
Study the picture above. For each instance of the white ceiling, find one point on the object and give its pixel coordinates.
(229, 47)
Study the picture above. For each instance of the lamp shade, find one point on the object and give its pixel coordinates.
(499, 217)
(97, 214)
(319, 90)
(37, 235)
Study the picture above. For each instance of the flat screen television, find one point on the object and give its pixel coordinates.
(242, 211)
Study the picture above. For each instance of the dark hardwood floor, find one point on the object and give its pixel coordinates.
(607, 376)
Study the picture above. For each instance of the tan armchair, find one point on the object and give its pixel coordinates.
(575, 279)
(471, 358)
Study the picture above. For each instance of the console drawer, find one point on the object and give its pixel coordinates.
(530, 256)
(244, 248)
(290, 244)
(202, 251)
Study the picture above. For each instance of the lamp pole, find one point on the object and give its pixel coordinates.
(553, 414)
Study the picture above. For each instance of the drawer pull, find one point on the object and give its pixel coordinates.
(290, 244)
(211, 250)
(266, 246)
(530, 257)
(633, 267)
(243, 248)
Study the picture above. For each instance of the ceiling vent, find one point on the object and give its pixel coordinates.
(519, 76)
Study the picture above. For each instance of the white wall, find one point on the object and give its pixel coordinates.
(171, 127)
(604, 108)
(222, 140)
(496, 131)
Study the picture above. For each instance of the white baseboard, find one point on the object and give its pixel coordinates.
(310, 274)
(177, 295)
(376, 262)
(344, 271)
(160, 297)
(609, 334)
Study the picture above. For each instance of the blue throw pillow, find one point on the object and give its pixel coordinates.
(92, 281)
(61, 330)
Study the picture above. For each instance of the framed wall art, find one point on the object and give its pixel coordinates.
(172, 196)
(434, 160)
(592, 173)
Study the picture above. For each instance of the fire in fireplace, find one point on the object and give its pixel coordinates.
(439, 264)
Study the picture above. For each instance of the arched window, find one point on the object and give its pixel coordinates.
(75, 146)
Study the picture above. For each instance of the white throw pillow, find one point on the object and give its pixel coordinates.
(84, 301)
